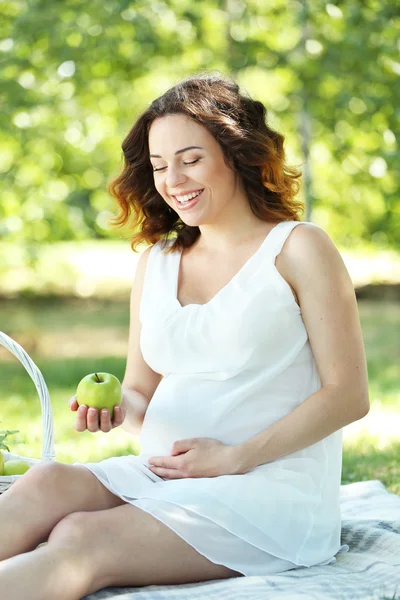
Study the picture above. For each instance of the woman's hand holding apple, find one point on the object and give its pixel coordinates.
(90, 419)
(97, 402)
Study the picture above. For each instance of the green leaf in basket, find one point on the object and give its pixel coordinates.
(4, 433)
(1, 464)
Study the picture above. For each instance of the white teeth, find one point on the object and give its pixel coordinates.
(188, 197)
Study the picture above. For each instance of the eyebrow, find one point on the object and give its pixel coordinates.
(179, 151)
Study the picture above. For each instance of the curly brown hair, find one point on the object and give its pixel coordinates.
(239, 125)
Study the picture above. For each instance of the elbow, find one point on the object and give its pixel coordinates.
(355, 404)
(363, 407)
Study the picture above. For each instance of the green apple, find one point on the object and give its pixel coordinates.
(1, 464)
(100, 390)
(15, 467)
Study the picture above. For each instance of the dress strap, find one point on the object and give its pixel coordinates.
(280, 233)
(160, 270)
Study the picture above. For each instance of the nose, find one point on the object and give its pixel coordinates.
(174, 177)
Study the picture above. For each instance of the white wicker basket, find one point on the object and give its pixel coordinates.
(47, 415)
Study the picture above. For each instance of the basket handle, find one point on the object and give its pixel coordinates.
(48, 453)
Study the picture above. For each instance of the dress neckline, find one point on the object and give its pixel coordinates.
(227, 285)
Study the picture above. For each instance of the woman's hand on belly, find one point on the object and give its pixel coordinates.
(196, 457)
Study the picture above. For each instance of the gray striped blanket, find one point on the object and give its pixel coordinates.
(369, 571)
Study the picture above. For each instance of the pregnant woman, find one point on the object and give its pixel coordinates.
(245, 361)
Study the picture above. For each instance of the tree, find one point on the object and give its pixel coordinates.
(75, 75)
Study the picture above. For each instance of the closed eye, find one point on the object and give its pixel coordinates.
(187, 163)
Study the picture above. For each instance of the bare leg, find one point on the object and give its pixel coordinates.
(34, 504)
(42, 574)
(122, 546)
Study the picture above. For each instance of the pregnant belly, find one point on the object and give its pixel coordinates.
(171, 416)
(186, 406)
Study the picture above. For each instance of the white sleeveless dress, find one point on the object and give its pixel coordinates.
(231, 368)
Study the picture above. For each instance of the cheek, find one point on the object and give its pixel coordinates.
(223, 178)
(158, 184)
(213, 177)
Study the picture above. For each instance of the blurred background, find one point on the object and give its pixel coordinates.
(75, 75)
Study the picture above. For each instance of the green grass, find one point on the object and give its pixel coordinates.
(68, 339)
(380, 324)
(363, 460)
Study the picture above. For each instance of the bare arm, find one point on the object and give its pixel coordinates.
(140, 381)
(313, 267)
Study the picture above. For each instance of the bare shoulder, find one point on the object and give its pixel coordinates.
(308, 258)
(140, 270)
(143, 258)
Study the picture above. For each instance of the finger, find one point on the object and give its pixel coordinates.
(167, 473)
(81, 418)
(105, 420)
(93, 419)
(181, 446)
(161, 461)
(119, 416)
(166, 462)
(73, 403)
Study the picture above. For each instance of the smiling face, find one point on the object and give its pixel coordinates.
(190, 172)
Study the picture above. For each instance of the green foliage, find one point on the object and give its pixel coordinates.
(76, 74)
(4, 433)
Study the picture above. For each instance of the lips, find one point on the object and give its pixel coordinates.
(189, 204)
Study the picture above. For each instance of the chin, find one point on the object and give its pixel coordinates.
(191, 222)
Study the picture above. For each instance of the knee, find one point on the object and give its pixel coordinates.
(44, 474)
(40, 477)
(72, 530)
